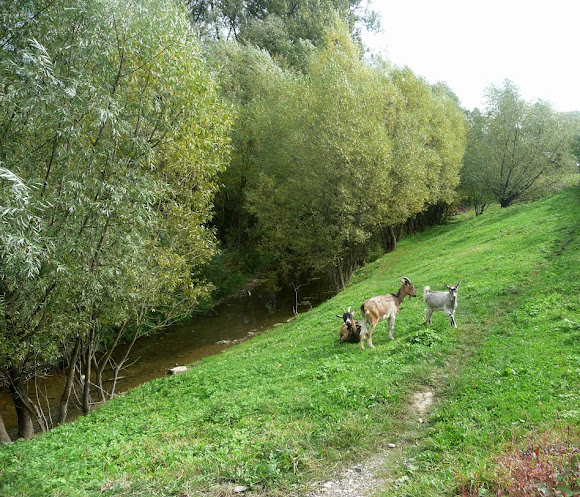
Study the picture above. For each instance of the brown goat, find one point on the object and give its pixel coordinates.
(383, 307)
(350, 329)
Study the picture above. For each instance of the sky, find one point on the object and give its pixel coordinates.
(471, 44)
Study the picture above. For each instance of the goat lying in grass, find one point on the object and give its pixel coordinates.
(383, 307)
(441, 301)
(350, 329)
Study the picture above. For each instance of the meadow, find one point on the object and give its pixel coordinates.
(293, 406)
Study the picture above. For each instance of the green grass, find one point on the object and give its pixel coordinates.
(293, 405)
(520, 387)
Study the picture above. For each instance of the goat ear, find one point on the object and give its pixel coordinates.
(339, 316)
(458, 283)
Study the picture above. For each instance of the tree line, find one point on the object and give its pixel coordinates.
(145, 146)
(325, 160)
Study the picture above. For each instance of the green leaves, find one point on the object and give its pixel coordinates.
(21, 249)
(517, 150)
(113, 134)
(326, 159)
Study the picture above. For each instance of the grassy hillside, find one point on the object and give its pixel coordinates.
(293, 405)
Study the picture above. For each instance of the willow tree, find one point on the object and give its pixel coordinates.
(428, 131)
(113, 137)
(475, 173)
(250, 80)
(237, 19)
(325, 165)
(520, 149)
(346, 151)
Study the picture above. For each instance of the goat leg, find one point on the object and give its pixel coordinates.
(363, 333)
(452, 320)
(369, 336)
(391, 327)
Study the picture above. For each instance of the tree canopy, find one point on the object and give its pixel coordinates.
(287, 29)
(516, 149)
(326, 158)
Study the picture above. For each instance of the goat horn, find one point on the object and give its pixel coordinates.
(349, 308)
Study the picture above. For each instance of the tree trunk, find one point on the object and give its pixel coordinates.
(21, 401)
(480, 208)
(101, 364)
(340, 274)
(393, 238)
(87, 383)
(4, 437)
(388, 238)
(296, 287)
(63, 407)
(336, 275)
(123, 361)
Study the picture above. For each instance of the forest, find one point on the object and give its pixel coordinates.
(156, 154)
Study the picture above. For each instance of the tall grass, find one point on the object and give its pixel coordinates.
(293, 405)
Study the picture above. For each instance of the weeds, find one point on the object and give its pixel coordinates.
(545, 468)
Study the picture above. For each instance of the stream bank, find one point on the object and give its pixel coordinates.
(232, 320)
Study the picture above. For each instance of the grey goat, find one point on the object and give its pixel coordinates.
(441, 301)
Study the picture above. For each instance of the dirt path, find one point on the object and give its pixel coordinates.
(363, 479)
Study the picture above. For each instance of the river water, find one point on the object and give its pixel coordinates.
(236, 319)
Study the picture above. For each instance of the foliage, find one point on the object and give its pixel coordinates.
(544, 468)
(117, 132)
(320, 158)
(290, 406)
(517, 149)
(306, 203)
(474, 174)
(282, 27)
(573, 118)
(250, 79)
(19, 229)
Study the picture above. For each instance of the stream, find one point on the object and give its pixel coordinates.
(236, 319)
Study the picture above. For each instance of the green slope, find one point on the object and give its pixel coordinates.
(292, 405)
